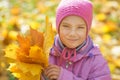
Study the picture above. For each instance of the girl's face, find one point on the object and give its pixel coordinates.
(72, 31)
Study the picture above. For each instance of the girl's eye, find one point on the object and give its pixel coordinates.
(65, 26)
(81, 27)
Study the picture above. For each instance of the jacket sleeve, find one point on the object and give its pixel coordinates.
(103, 77)
(100, 70)
(67, 75)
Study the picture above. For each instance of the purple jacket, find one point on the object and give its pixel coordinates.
(89, 64)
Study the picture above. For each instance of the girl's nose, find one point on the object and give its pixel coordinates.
(72, 32)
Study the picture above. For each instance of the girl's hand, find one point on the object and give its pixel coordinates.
(52, 72)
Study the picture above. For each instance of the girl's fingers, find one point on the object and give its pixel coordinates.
(52, 66)
(52, 75)
(50, 71)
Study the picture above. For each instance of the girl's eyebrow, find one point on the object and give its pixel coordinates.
(76, 25)
(65, 23)
(81, 24)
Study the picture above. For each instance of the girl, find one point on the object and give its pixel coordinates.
(73, 55)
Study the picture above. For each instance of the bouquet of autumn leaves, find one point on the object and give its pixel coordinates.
(30, 57)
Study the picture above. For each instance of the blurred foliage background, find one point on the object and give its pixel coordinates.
(16, 16)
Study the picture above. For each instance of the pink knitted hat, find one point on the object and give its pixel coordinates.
(82, 8)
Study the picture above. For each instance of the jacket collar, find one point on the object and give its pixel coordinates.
(84, 50)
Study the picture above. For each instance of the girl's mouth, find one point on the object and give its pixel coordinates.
(72, 40)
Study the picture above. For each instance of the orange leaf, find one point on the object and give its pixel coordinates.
(24, 43)
(37, 38)
(26, 59)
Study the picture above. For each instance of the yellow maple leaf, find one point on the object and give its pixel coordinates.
(29, 76)
(10, 51)
(13, 68)
(21, 69)
(49, 38)
(34, 69)
(37, 54)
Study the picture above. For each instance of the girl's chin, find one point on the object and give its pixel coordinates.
(71, 46)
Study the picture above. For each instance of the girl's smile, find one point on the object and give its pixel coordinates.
(72, 40)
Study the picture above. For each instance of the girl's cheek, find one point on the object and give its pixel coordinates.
(67, 31)
(64, 32)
